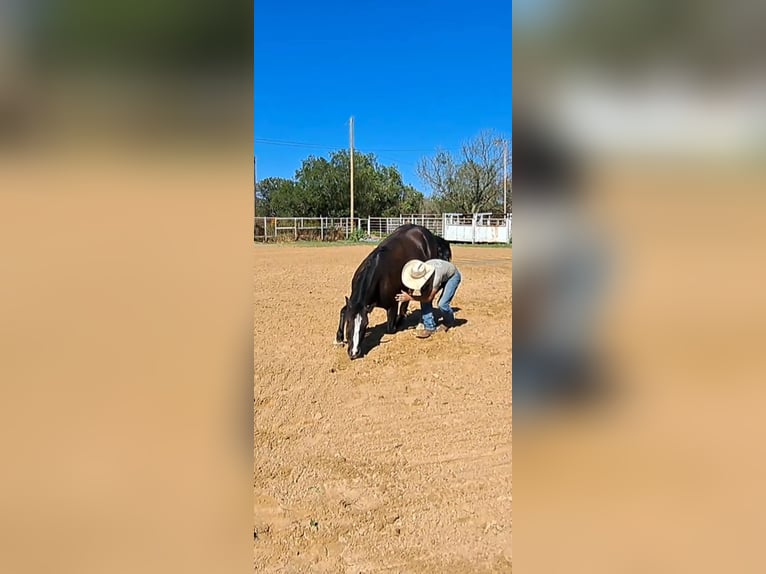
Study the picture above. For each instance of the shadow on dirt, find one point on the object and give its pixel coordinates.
(375, 334)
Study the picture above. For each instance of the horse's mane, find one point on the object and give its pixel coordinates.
(364, 278)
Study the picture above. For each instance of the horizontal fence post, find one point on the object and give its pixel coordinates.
(473, 228)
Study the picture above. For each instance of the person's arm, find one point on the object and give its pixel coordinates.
(403, 296)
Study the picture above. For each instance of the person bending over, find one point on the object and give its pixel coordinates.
(426, 279)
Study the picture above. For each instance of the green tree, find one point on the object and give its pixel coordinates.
(378, 189)
(411, 201)
(277, 196)
(322, 188)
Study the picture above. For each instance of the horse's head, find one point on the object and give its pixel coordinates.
(356, 327)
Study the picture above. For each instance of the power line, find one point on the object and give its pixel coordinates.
(266, 141)
(385, 150)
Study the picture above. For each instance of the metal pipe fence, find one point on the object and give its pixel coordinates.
(473, 228)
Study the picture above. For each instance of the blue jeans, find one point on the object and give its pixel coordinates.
(448, 316)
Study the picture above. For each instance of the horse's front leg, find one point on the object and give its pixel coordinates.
(339, 336)
(402, 317)
(391, 316)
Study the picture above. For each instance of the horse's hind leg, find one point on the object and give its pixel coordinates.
(339, 336)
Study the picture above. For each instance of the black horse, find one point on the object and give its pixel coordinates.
(379, 278)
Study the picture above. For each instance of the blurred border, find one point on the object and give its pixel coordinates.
(639, 136)
(126, 154)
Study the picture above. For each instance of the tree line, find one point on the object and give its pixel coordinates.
(467, 182)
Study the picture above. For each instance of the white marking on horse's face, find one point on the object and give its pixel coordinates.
(357, 334)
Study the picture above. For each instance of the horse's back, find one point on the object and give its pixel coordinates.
(380, 273)
(406, 243)
(416, 240)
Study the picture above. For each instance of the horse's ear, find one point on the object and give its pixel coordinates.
(346, 299)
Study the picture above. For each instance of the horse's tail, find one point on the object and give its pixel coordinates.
(434, 246)
(443, 249)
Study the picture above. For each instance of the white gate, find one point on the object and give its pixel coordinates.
(477, 228)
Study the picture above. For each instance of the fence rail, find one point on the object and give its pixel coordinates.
(474, 228)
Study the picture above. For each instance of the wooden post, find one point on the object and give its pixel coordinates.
(265, 230)
(321, 228)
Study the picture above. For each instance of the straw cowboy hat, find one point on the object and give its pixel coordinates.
(415, 274)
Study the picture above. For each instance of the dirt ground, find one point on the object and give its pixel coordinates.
(396, 462)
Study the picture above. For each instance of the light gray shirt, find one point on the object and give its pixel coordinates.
(443, 272)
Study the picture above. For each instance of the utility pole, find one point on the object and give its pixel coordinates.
(255, 185)
(505, 174)
(505, 178)
(351, 159)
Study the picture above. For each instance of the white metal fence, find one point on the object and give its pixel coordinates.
(477, 228)
(474, 228)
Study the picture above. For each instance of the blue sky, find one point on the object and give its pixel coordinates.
(415, 75)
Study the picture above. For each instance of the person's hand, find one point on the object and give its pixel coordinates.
(402, 297)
